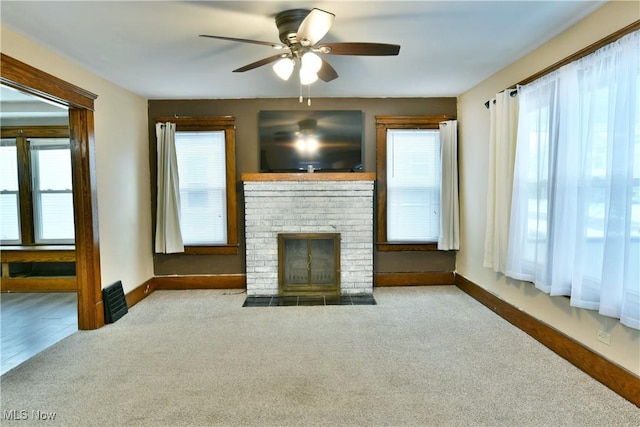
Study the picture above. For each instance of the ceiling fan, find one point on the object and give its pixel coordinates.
(300, 33)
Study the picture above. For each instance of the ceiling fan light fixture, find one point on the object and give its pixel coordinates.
(284, 68)
(307, 75)
(311, 61)
(307, 143)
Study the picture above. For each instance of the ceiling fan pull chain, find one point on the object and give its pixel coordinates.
(301, 98)
(309, 95)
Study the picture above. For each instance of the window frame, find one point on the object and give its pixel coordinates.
(383, 124)
(226, 124)
(26, 206)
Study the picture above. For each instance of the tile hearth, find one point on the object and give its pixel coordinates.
(290, 301)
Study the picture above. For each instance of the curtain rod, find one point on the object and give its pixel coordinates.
(513, 93)
(581, 53)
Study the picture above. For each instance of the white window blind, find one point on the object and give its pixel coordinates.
(52, 190)
(9, 198)
(203, 201)
(413, 185)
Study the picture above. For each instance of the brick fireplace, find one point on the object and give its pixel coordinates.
(332, 203)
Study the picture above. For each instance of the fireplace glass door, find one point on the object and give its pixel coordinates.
(309, 264)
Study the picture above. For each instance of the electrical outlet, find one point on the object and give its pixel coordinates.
(604, 337)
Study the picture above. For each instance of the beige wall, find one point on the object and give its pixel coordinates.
(582, 325)
(122, 154)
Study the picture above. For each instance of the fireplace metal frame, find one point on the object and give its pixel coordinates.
(309, 288)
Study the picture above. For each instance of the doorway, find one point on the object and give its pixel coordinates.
(80, 104)
(35, 141)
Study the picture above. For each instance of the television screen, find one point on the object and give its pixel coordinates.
(324, 141)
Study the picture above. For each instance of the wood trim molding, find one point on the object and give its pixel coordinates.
(220, 123)
(200, 123)
(383, 124)
(398, 247)
(216, 281)
(35, 131)
(411, 122)
(85, 209)
(81, 126)
(218, 250)
(22, 76)
(584, 52)
(436, 278)
(318, 176)
(37, 254)
(140, 293)
(618, 379)
(174, 283)
(38, 284)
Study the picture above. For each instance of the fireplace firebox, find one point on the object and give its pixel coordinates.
(309, 264)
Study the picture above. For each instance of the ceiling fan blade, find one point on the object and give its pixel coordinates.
(363, 49)
(314, 27)
(327, 72)
(257, 64)
(233, 39)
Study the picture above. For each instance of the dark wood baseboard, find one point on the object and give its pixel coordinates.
(139, 293)
(217, 281)
(435, 278)
(225, 281)
(618, 379)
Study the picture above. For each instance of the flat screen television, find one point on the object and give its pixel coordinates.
(304, 141)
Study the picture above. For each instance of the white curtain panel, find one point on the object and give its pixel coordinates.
(503, 112)
(168, 234)
(575, 220)
(449, 236)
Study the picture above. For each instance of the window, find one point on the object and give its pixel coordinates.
(203, 189)
(10, 196)
(205, 150)
(409, 175)
(575, 215)
(36, 187)
(52, 193)
(413, 185)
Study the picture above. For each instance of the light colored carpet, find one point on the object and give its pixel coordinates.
(427, 356)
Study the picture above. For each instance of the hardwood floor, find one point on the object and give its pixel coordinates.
(32, 322)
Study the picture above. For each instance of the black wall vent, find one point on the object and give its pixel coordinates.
(115, 303)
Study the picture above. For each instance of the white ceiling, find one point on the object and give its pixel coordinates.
(21, 109)
(152, 48)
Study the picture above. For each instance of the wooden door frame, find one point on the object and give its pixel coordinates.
(80, 102)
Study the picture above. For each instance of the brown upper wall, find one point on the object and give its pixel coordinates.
(246, 112)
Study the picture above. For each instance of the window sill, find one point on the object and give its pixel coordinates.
(211, 250)
(392, 247)
(41, 253)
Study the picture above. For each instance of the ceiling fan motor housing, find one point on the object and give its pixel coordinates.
(288, 23)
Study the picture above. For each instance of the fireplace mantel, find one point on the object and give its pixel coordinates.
(305, 176)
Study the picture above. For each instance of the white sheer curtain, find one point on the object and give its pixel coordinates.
(503, 114)
(168, 234)
(575, 219)
(449, 236)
